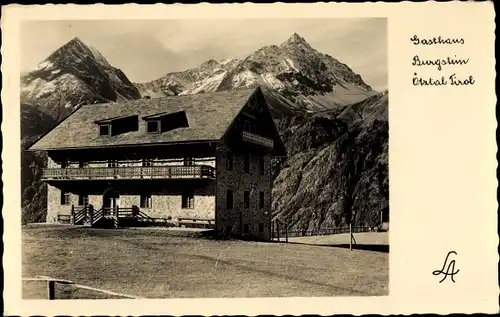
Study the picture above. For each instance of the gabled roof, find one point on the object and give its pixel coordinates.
(209, 116)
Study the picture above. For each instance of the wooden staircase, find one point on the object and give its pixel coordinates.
(115, 217)
(78, 217)
(108, 216)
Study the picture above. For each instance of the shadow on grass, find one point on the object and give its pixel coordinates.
(367, 247)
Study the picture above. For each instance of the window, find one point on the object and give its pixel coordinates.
(261, 227)
(245, 228)
(246, 199)
(82, 164)
(112, 163)
(261, 166)
(261, 200)
(154, 126)
(147, 162)
(229, 199)
(188, 201)
(248, 126)
(146, 201)
(83, 200)
(246, 163)
(188, 161)
(229, 161)
(65, 197)
(105, 129)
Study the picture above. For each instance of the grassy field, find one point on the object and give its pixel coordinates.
(154, 264)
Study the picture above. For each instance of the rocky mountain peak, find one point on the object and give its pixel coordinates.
(295, 40)
(74, 45)
(76, 41)
(78, 51)
(210, 63)
(72, 75)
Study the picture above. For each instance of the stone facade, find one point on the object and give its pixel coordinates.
(166, 196)
(252, 221)
(166, 202)
(210, 196)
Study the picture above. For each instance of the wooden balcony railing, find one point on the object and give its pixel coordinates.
(125, 173)
(257, 139)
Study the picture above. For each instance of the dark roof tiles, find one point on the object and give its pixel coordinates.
(209, 116)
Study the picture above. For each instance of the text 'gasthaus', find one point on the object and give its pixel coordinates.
(449, 63)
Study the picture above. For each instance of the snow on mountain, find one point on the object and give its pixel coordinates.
(307, 79)
(73, 75)
(204, 78)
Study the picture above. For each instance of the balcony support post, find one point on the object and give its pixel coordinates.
(72, 216)
(91, 214)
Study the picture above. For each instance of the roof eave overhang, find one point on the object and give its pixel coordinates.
(123, 145)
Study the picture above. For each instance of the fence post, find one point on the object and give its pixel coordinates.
(51, 289)
(278, 230)
(72, 216)
(381, 220)
(350, 235)
(286, 232)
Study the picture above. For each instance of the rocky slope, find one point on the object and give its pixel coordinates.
(298, 78)
(34, 123)
(73, 75)
(337, 164)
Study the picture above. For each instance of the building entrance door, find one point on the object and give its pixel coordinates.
(110, 199)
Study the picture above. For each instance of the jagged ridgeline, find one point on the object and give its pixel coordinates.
(333, 124)
(294, 73)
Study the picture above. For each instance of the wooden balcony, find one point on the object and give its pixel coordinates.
(127, 173)
(257, 139)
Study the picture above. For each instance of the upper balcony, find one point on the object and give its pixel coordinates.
(130, 173)
(257, 139)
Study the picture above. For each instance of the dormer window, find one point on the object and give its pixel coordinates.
(154, 126)
(105, 129)
(118, 125)
(165, 121)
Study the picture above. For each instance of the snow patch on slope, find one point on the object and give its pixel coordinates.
(44, 64)
(272, 81)
(292, 65)
(244, 79)
(207, 85)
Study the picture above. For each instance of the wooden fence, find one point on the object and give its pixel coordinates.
(279, 230)
(51, 282)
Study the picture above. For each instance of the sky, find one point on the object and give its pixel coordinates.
(147, 49)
